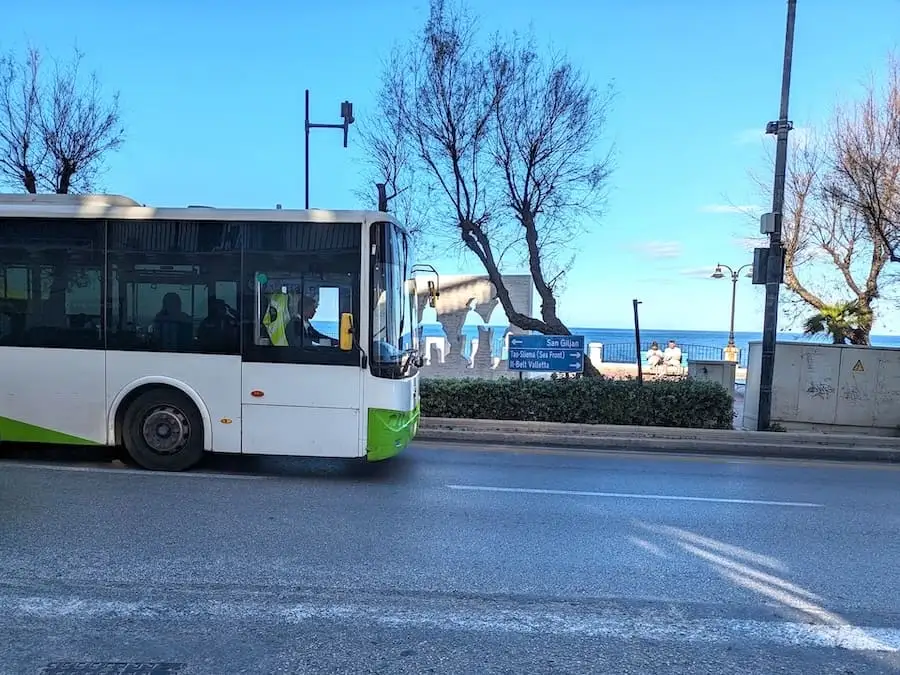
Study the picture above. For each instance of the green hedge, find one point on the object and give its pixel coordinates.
(588, 400)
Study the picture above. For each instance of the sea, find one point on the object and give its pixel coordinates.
(619, 343)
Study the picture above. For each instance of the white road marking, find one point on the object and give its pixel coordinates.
(628, 495)
(616, 624)
(112, 470)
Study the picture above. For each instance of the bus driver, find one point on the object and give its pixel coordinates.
(301, 331)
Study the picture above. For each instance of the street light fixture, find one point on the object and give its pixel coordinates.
(735, 274)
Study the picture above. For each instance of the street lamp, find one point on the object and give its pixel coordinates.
(731, 348)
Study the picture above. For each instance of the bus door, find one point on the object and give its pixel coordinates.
(301, 392)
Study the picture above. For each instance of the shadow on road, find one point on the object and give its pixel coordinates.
(769, 577)
(75, 454)
(394, 470)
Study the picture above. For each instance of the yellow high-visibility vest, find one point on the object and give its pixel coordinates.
(277, 318)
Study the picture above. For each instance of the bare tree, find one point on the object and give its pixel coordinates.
(389, 158)
(865, 162)
(547, 124)
(55, 130)
(842, 211)
(834, 254)
(503, 144)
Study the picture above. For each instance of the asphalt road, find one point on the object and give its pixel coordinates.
(451, 561)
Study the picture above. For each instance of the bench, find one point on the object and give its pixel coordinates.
(671, 370)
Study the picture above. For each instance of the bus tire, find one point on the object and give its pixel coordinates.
(163, 430)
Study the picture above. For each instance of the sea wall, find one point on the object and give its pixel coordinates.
(473, 298)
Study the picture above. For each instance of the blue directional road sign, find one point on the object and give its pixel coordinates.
(546, 353)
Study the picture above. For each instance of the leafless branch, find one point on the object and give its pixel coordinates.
(865, 171)
(504, 140)
(548, 122)
(55, 129)
(842, 206)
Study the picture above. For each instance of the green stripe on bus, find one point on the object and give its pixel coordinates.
(14, 431)
(389, 432)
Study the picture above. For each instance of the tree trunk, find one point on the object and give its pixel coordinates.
(65, 178)
(861, 334)
(477, 242)
(30, 181)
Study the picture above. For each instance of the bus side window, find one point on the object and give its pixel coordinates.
(300, 277)
(301, 312)
(164, 280)
(49, 281)
(327, 318)
(220, 330)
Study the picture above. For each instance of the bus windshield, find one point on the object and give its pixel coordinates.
(395, 339)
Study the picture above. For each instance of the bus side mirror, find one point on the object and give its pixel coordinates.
(433, 294)
(346, 332)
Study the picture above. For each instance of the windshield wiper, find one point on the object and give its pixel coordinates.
(412, 356)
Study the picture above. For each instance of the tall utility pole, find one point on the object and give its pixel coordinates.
(769, 263)
(346, 114)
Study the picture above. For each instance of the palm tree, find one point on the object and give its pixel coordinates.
(845, 322)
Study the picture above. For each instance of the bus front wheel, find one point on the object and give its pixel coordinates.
(163, 431)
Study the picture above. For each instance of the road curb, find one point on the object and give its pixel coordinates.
(695, 441)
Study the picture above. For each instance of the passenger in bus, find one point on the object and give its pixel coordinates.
(172, 328)
(219, 331)
(301, 331)
(13, 321)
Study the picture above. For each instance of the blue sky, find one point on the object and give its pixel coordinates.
(212, 99)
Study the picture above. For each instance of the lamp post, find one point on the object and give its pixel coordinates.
(730, 350)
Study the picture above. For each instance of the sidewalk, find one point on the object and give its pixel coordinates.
(620, 371)
(601, 437)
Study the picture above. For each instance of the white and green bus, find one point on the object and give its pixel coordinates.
(178, 331)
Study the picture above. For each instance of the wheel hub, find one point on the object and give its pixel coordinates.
(166, 429)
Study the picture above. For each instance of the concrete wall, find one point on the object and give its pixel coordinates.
(721, 371)
(821, 387)
(460, 295)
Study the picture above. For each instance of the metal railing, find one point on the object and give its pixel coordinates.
(624, 352)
